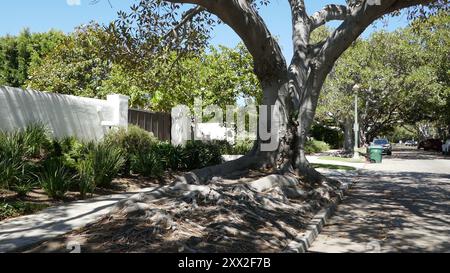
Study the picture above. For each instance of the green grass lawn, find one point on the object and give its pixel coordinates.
(334, 167)
(350, 160)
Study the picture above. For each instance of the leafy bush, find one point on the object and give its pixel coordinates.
(71, 150)
(106, 162)
(55, 178)
(225, 147)
(198, 154)
(147, 163)
(315, 146)
(24, 186)
(171, 157)
(16, 151)
(242, 147)
(132, 141)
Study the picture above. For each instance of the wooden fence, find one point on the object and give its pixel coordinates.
(160, 124)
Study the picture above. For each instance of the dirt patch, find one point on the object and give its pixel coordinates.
(227, 215)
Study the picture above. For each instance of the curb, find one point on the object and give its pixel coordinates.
(303, 242)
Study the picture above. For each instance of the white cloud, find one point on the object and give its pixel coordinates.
(73, 2)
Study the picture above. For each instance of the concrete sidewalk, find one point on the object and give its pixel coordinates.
(317, 160)
(401, 205)
(55, 221)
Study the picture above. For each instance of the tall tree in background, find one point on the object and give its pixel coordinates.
(75, 66)
(292, 88)
(83, 65)
(17, 54)
(220, 76)
(400, 78)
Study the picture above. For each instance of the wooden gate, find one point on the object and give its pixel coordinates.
(160, 124)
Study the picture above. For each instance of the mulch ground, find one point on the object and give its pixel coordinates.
(224, 216)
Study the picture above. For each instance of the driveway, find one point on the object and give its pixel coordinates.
(401, 205)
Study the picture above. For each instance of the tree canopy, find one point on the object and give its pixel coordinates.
(81, 65)
(401, 76)
(18, 53)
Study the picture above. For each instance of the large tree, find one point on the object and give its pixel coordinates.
(401, 78)
(81, 65)
(293, 88)
(18, 53)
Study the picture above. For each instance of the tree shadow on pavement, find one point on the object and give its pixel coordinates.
(402, 212)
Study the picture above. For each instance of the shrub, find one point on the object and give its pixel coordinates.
(36, 139)
(85, 181)
(15, 169)
(24, 186)
(71, 150)
(243, 147)
(147, 163)
(55, 178)
(225, 147)
(106, 162)
(315, 146)
(171, 157)
(132, 141)
(198, 154)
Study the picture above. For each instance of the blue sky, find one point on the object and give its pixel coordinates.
(65, 15)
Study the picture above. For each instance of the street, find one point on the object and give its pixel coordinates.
(401, 205)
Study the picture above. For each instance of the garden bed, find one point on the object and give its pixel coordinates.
(12, 206)
(228, 215)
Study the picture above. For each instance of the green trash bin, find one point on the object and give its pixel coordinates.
(375, 154)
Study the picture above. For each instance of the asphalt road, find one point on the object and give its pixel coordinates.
(401, 205)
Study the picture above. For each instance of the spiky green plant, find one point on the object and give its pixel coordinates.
(36, 139)
(147, 163)
(107, 161)
(86, 179)
(15, 169)
(55, 178)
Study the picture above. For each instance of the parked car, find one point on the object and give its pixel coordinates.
(411, 143)
(430, 144)
(387, 147)
(446, 147)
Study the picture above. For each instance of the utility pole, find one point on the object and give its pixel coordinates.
(356, 125)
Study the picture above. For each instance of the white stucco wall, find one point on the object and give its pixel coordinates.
(64, 115)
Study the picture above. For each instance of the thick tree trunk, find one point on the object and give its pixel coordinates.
(294, 90)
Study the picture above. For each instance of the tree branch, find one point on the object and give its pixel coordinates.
(251, 28)
(188, 15)
(329, 13)
(358, 19)
(300, 25)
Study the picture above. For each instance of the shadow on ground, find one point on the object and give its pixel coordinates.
(401, 212)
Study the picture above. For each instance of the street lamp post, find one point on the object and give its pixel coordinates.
(356, 125)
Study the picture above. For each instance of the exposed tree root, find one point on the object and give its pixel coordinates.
(259, 212)
(238, 211)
